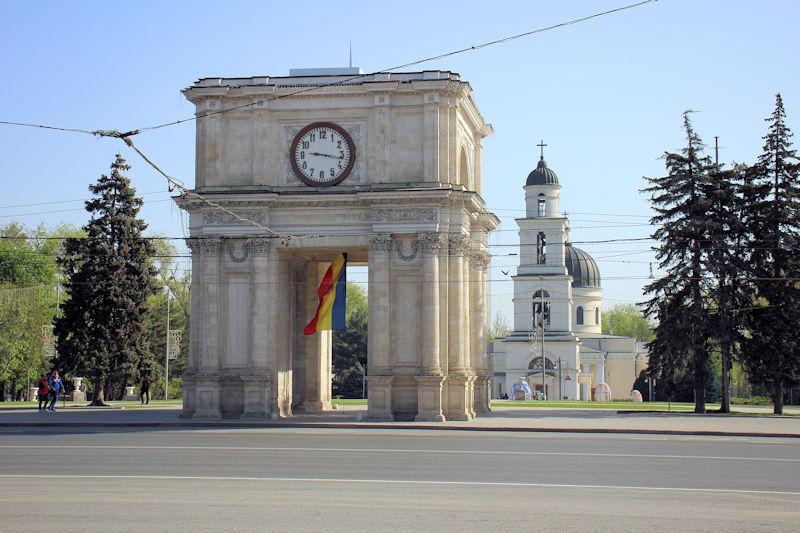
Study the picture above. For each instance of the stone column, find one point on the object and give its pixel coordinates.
(459, 401)
(196, 331)
(257, 383)
(379, 372)
(601, 371)
(468, 328)
(430, 378)
(208, 400)
(480, 261)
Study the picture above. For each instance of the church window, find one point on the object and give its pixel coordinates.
(541, 249)
(597, 315)
(542, 205)
(579, 317)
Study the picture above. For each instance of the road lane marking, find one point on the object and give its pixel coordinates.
(393, 450)
(404, 482)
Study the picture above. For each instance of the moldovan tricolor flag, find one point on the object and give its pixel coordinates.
(332, 294)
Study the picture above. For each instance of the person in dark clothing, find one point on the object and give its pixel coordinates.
(43, 392)
(56, 386)
(144, 392)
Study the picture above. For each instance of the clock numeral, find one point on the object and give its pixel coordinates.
(312, 172)
(322, 174)
(302, 155)
(338, 144)
(305, 165)
(332, 173)
(305, 145)
(312, 137)
(340, 165)
(323, 134)
(341, 153)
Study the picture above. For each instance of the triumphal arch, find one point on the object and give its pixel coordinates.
(384, 167)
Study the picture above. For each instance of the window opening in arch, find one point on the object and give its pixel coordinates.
(541, 249)
(597, 315)
(537, 309)
(579, 316)
(542, 205)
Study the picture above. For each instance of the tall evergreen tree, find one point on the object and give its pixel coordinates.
(109, 277)
(681, 205)
(724, 263)
(773, 215)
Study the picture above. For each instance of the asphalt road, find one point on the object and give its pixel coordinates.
(308, 479)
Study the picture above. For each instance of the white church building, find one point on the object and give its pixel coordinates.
(564, 282)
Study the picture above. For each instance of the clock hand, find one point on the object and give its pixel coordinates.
(325, 155)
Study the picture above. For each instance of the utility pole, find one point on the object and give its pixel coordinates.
(166, 355)
(544, 367)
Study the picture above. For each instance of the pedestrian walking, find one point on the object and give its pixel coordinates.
(144, 391)
(56, 386)
(43, 392)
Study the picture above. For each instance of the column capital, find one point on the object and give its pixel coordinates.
(479, 258)
(259, 245)
(458, 243)
(381, 242)
(432, 243)
(200, 245)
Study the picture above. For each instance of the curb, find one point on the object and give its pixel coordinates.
(426, 427)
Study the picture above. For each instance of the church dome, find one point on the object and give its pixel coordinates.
(582, 268)
(542, 175)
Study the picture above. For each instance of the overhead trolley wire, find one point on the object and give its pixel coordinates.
(126, 136)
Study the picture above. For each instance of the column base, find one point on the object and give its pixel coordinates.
(257, 391)
(458, 399)
(482, 396)
(379, 398)
(429, 398)
(208, 397)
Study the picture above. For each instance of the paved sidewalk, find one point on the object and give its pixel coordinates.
(501, 419)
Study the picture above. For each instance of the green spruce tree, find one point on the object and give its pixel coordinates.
(109, 276)
(682, 233)
(771, 349)
(724, 263)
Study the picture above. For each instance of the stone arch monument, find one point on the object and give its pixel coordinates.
(385, 167)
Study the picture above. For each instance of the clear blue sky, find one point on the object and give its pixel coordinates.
(606, 95)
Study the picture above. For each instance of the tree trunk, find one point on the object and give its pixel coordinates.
(778, 410)
(99, 392)
(725, 348)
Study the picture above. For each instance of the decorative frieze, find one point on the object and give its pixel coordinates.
(385, 215)
(222, 218)
(381, 242)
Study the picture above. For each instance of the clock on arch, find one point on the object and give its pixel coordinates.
(322, 154)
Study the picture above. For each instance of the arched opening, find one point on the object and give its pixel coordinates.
(541, 310)
(579, 316)
(542, 205)
(541, 249)
(464, 171)
(597, 316)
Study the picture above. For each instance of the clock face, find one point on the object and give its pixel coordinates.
(322, 154)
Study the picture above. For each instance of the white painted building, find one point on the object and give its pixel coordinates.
(565, 282)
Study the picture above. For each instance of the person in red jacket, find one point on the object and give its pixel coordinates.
(43, 392)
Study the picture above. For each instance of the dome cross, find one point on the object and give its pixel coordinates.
(541, 146)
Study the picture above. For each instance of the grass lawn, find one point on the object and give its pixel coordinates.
(341, 401)
(132, 404)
